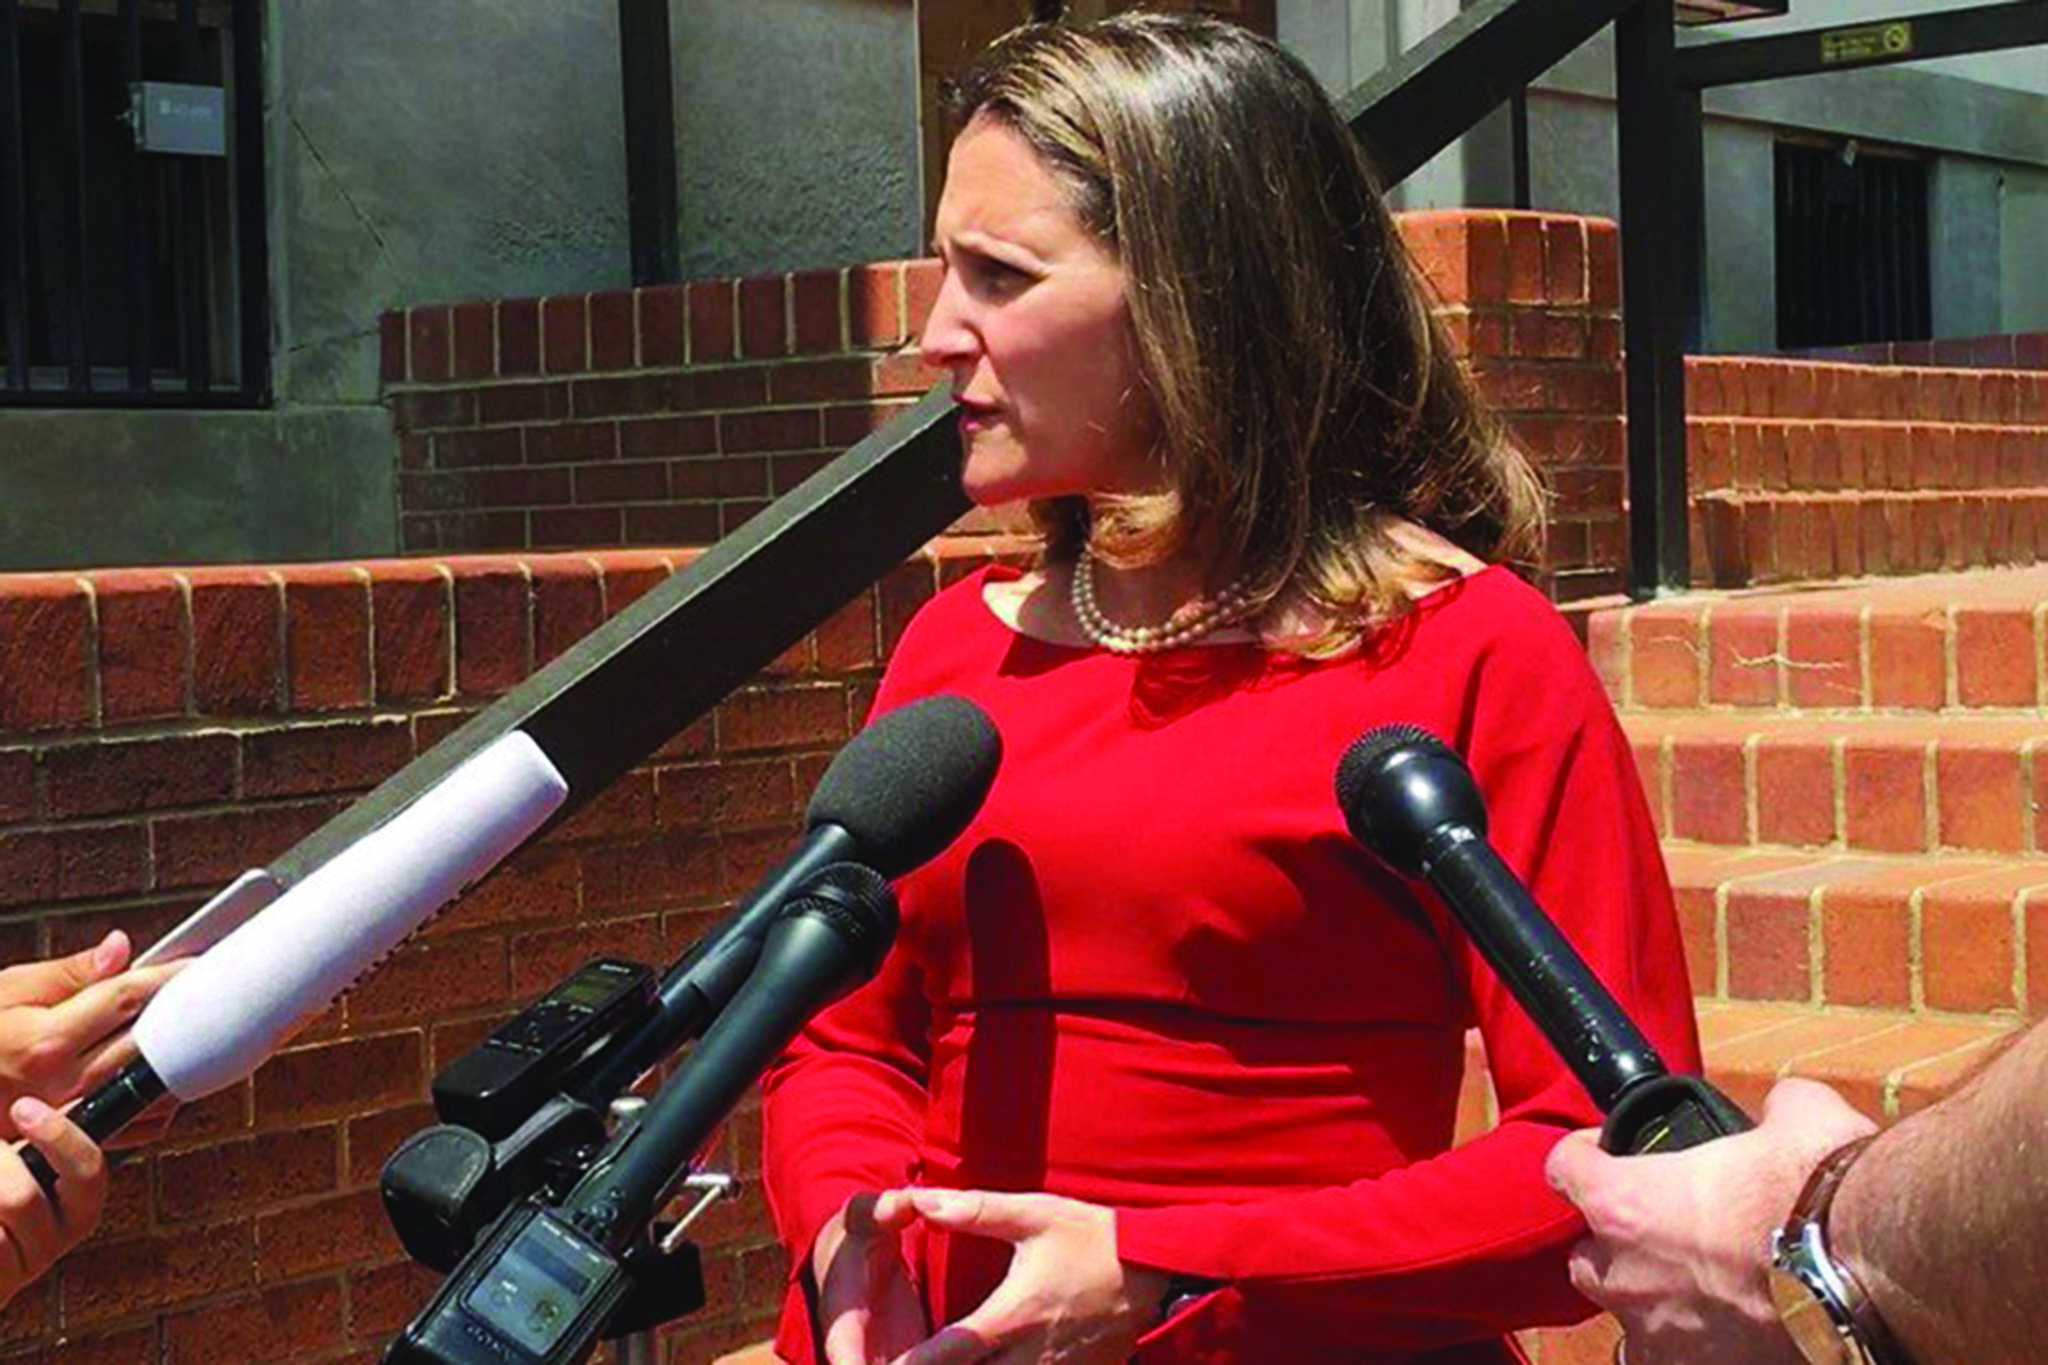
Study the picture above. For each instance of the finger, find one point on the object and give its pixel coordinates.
(1798, 1104)
(59, 978)
(101, 1061)
(984, 1213)
(81, 1167)
(893, 1210)
(94, 1014)
(1574, 1163)
(1588, 1267)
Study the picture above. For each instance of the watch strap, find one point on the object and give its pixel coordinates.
(1814, 1204)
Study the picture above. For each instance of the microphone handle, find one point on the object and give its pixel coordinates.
(1669, 1113)
(809, 962)
(704, 980)
(103, 1113)
(1540, 968)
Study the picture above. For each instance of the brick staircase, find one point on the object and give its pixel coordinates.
(1845, 776)
(1811, 470)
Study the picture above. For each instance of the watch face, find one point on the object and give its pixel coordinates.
(1807, 1322)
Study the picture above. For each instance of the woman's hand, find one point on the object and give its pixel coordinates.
(868, 1304)
(63, 1023)
(35, 1229)
(1067, 1300)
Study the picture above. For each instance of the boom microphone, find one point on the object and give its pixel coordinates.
(216, 1021)
(1410, 800)
(895, 795)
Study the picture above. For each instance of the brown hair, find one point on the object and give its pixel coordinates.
(1307, 398)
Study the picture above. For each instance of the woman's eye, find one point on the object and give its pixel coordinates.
(997, 276)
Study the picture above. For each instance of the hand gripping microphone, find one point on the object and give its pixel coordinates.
(1410, 800)
(892, 798)
(541, 1286)
(216, 1021)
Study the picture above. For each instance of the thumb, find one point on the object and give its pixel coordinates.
(982, 1213)
(1574, 1163)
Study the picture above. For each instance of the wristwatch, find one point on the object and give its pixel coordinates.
(1825, 1311)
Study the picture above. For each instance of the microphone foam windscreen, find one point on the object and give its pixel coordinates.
(906, 786)
(217, 1020)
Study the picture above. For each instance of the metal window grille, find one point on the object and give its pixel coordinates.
(132, 256)
(1852, 246)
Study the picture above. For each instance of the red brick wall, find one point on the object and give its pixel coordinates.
(162, 730)
(1809, 470)
(670, 415)
(2018, 351)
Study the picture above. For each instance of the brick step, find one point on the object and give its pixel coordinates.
(1775, 454)
(1945, 934)
(1933, 642)
(1754, 539)
(1817, 391)
(1869, 783)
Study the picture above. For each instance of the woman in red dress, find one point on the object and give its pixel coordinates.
(1162, 1064)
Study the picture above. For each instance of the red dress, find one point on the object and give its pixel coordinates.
(1156, 974)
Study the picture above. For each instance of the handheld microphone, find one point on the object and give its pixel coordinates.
(892, 798)
(826, 941)
(545, 1281)
(216, 1021)
(1411, 801)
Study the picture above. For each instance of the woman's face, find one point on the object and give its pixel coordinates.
(1032, 324)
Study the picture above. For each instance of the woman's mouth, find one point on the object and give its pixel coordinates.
(976, 416)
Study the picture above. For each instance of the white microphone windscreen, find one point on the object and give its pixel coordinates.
(216, 1021)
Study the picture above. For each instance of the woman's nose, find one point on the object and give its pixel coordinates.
(947, 339)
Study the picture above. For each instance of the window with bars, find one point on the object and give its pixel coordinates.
(132, 254)
(1852, 246)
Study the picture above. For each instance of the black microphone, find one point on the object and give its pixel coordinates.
(828, 940)
(549, 1278)
(892, 799)
(1410, 800)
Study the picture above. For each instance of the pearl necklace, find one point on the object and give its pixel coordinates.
(1189, 623)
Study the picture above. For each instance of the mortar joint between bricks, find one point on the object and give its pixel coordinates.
(446, 573)
(1930, 796)
(95, 689)
(1951, 685)
(2040, 624)
(2019, 948)
(1838, 790)
(188, 667)
(1816, 950)
(1916, 991)
(1750, 798)
(1781, 677)
(1866, 687)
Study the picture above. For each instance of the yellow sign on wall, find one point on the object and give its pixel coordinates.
(1866, 43)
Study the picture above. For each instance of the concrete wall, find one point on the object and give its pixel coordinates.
(1984, 119)
(796, 133)
(471, 149)
(452, 150)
